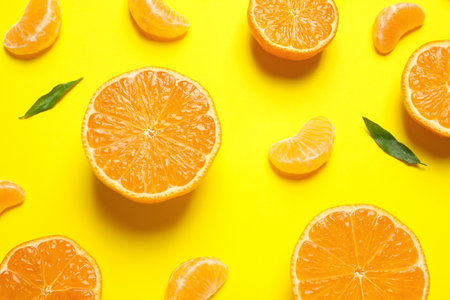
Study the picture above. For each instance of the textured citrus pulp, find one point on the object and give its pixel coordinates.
(50, 268)
(37, 29)
(151, 134)
(426, 86)
(393, 22)
(197, 279)
(293, 29)
(358, 252)
(306, 151)
(11, 194)
(157, 19)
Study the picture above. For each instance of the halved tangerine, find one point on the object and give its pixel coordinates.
(358, 252)
(151, 134)
(50, 268)
(293, 29)
(426, 86)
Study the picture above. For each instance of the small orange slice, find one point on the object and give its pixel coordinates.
(151, 134)
(293, 29)
(157, 19)
(50, 268)
(37, 30)
(358, 252)
(11, 194)
(395, 21)
(426, 86)
(306, 151)
(197, 279)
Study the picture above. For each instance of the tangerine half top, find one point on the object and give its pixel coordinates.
(151, 134)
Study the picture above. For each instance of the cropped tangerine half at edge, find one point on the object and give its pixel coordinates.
(426, 86)
(37, 30)
(197, 279)
(50, 268)
(293, 29)
(358, 252)
(151, 134)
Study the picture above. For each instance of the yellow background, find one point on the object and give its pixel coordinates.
(243, 212)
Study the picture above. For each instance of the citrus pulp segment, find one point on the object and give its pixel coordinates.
(197, 279)
(37, 30)
(11, 194)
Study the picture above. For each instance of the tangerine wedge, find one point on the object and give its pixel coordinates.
(37, 30)
(306, 151)
(197, 279)
(426, 87)
(11, 194)
(151, 134)
(395, 21)
(157, 19)
(50, 268)
(293, 29)
(358, 252)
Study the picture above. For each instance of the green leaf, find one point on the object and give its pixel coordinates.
(49, 100)
(390, 145)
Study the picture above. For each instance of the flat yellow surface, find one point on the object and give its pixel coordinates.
(243, 212)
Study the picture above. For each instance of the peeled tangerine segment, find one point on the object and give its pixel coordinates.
(395, 21)
(37, 30)
(157, 19)
(11, 194)
(197, 279)
(305, 152)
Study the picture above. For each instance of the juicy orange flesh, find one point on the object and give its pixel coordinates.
(151, 132)
(197, 279)
(157, 18)
(37, 29)
(49, 270)
(301, 24)
(11, 195)
(359, 253)
(393, 22)
(307, 150)
(429, 81)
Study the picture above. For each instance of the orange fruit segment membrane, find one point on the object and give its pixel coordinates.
(151, 134)
(11, 195)
(37, 30)
(306, 151)
(358, 252)
(50, 268)
(426, 86)
(293, 29)
(197, 279)
(393, 22)
(157, 19)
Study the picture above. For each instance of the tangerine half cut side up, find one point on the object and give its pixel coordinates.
(293, 29)
(49, 268)
(393, 22)
(151, 134)
(36, 31)
(426, 87)
(358, 252)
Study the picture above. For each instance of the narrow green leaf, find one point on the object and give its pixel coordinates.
(390, 145)
(49, 100)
